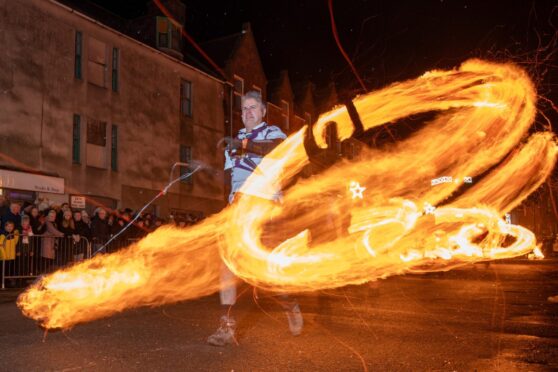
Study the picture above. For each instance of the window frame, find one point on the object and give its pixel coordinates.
(237, 96)
(114, 148)
(115, 69)
(257, 89)
(76, 139)
(78, 55)
(94, 64)
(286, 116)
(157, 32)
(188, 99)
(101, 131)
(173, 34)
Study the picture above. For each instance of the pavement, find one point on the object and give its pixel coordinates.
(475, 318)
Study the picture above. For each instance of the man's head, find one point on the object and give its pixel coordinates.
(101, 213)
(253, 109)
(15, 207)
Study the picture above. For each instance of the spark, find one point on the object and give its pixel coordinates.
(356, 189)
(439, 180)
(429, 208)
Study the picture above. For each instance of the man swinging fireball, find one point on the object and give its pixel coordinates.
(242, 156)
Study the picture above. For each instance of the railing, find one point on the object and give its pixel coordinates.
(101, 246)
(27, 257)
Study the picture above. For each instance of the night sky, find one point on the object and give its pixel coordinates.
(386, 40)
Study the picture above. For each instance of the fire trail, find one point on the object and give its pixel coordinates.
(389, 215)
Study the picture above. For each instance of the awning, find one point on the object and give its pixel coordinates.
(31, 182)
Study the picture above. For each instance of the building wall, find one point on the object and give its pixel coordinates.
(246, 62)
(536, 214)
(274, 115)
(39, 96)
(306, 103)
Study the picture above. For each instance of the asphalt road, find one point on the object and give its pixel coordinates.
(474, 318)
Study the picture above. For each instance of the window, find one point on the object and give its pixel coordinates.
(176, 37)
(96, 132)
(78, 54)
(168, 34)
(96, 150)
(257, 89)
(115, 66)
(114, 148)
(163, 37)
(96, 66)
(285, 113)
(76, 139)
(238, 92)
(186, 97)
(185, 156)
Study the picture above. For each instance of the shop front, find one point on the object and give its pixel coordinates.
(28, 188)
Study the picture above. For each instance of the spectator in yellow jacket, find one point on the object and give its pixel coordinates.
(8, 242)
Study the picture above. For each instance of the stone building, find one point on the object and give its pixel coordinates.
(238, 57)
(91, 116)
(305, 103)
(282, 109)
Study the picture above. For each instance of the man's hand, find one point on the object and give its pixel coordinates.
(232, 143)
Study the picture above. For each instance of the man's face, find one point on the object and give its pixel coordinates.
(252, 113)
(15, 208)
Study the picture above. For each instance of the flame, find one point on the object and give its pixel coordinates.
(321, 235)
(537, 253)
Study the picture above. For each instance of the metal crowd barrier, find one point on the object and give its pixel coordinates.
(28, 257)
(100, 246)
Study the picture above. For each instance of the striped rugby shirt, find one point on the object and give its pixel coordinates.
(243, 166)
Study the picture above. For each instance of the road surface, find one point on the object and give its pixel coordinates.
(474, 318)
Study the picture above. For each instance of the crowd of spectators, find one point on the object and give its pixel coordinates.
(22, 224)
(61, 220)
